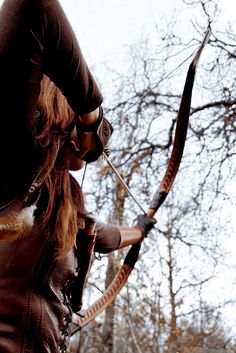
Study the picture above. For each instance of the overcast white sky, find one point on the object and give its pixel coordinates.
(104, 27)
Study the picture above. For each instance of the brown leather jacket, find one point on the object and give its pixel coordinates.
(35, 313)
(35, 306)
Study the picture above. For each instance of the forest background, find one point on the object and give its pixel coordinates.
(181, 296)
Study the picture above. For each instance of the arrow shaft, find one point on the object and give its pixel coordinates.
(122, 181)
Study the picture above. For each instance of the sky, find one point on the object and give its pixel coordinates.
(106, 27)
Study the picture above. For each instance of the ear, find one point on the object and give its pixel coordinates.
(73, 146)
(72, 158)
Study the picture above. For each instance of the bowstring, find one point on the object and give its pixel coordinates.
(83, 177)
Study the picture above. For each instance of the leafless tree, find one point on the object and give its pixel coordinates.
(165, 307)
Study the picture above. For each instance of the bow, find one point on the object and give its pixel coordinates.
(160, 195)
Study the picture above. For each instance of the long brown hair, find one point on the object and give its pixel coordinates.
(65, 211)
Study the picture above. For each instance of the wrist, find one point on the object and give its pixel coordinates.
(89, 118)
(97, 133)
(94, 122)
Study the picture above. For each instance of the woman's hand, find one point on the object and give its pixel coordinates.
(94, 136)
(144, 223)
(90, 117)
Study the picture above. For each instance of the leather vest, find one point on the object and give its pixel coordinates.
(35, 309)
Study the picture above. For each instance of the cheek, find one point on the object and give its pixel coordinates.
(71, 155)
(76, 163)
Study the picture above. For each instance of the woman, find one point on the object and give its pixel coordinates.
(42, 213)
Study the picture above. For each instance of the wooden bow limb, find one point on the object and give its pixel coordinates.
(180, 134)
(160, 195)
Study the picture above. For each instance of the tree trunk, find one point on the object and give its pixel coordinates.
(107, 332)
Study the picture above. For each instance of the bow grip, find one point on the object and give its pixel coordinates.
(158, 198)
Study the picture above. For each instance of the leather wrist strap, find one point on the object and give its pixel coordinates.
(90, 127)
